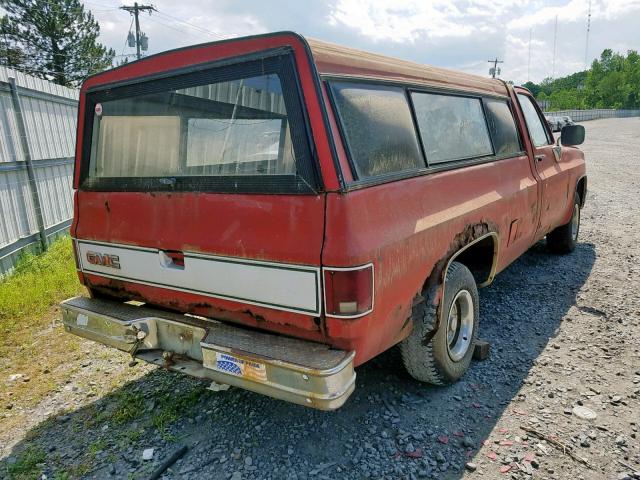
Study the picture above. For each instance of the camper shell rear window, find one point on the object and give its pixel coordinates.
(228, 128)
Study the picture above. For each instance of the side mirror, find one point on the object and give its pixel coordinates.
(572, 135)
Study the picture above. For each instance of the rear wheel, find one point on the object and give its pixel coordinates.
(446, 357)
(565, 237)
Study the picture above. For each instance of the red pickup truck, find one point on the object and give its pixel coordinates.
(270, 212)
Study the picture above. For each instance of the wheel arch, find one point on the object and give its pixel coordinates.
(581, 189)
(480, 244)
(483, 268)
(474, 236)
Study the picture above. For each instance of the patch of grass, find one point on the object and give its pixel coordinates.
(130, 405)
(38, 282)
(32, 343)
(80, 469)
(26, 466)
(132, 436)
(170, 407)
(97, 446)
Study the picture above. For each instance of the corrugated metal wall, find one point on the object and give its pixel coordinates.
(49, 112)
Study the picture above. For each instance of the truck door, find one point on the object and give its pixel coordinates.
(554, 183)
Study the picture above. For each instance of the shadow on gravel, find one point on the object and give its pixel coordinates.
(392, 426)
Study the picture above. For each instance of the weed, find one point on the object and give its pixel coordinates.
(26, 465)
(97, 446)
(168, 436)
(132, 435)
(171, 407)
(129, 407)
(80, 469)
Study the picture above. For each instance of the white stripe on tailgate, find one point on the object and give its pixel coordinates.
(281, 286)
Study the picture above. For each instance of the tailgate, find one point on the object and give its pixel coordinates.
(259, 250)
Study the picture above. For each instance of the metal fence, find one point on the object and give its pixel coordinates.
(584, 115)
(37, 142)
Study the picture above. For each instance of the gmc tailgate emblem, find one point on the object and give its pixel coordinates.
(103, 259)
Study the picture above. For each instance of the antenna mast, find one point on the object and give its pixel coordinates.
(555, 38)
(529, 62)
(586, 47)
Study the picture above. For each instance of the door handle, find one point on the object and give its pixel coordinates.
(540, 157)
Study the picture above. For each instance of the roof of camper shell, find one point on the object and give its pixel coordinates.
(332, 59)
(329, 58)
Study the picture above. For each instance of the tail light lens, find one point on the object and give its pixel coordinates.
(348, 292)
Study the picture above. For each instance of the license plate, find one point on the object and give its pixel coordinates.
(240, 367)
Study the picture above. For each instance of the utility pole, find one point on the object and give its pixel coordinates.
(493, 71)
(134, 10)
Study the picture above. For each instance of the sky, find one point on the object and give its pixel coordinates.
(462, 35)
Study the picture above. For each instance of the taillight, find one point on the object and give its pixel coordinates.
(348, 292)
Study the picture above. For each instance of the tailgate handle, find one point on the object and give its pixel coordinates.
(171, 259)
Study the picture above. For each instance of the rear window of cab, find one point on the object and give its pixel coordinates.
(396, 131)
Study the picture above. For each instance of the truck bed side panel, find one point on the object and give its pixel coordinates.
(407, 227)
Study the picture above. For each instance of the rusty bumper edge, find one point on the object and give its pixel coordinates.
(324, 389)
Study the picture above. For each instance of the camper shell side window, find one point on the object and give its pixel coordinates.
(394, 131)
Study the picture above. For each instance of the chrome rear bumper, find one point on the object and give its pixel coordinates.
(298, 371)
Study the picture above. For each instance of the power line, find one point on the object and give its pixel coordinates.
(172, 27)
(110, 7)
(196, 27)
(141, 39)
(106, 8)
(135, 10)
(126, 39)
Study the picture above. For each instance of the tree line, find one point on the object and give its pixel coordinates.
(613, 81)
(56, 40)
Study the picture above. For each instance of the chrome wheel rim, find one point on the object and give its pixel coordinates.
(575, 222)
(460, 325)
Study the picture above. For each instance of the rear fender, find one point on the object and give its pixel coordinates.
(434, 287)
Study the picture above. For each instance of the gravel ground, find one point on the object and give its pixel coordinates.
(564, 333)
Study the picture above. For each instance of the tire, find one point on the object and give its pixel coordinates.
(564, 238)
(439, 362)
